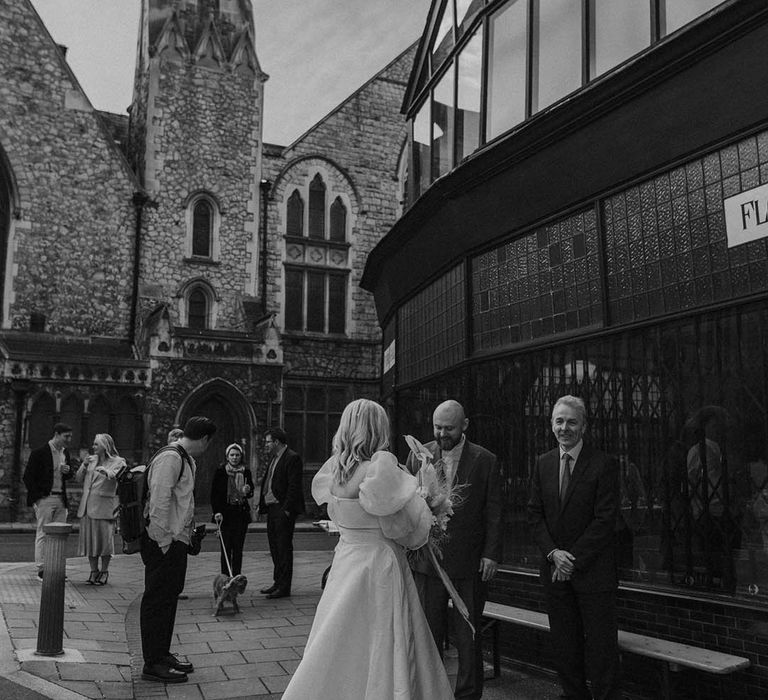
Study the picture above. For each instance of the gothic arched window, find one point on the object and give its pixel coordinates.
(295, 215)
(197, 309)
(202, 228)
(317, 207)
(203, 220)
(338, 220)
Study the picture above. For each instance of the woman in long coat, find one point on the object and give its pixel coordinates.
(98, 506)
(231, 488)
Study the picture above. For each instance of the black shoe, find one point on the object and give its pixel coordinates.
(163, 673)
(40, 574)
(173, 661)
(269, 590)
(279, 594)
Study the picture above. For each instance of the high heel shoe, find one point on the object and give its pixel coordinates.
(93, 578)
(102, 578)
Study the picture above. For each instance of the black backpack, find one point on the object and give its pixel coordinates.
(132, 497)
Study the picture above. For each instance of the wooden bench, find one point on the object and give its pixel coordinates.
(673, 655)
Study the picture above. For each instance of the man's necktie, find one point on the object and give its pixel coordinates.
(566, 478)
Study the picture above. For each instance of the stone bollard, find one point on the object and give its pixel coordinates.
(50, 625)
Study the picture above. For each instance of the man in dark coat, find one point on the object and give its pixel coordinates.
(474, 545)
(48, 470)
(282, 499)
(572, 513)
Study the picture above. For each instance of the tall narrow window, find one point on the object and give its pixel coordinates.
(98, 416)
(202, 228)
(72, 415)
(316, 301)
(294, 300)
(197, 309)
(420, 150)
(442, 125)
(338, 220)
(337, 303)
(557, 50)
(469, 69)
(295, 215)
(506, 68)
(317, 207)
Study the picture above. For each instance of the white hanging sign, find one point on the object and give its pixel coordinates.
(746, 216)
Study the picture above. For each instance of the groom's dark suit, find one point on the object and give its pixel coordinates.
(474, 531)
(584, 525)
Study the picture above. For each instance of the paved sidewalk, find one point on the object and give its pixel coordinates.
(250, 655)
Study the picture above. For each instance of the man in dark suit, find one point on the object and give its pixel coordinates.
(282, 499)
(572, 513)
(48, 470)
(473, 549)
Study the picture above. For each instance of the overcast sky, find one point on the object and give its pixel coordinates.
(316, 52)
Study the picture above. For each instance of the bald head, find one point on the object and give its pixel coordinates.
(449, 424)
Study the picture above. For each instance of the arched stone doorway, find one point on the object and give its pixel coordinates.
(226, 406)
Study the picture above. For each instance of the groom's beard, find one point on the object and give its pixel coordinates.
(448, 443)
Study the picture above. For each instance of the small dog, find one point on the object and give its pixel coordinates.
(226, 589)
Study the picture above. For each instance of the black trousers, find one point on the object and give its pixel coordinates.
(234, 527)
(280, 535)
(434, 601)
(584, 637)
(163, 581)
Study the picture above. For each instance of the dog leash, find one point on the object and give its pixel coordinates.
(218, 518)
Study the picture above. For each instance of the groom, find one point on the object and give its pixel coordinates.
(473, 548)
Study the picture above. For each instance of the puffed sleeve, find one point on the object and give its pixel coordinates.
(322, 481)
(391, 493)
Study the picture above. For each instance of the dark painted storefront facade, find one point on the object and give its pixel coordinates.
(585, 250)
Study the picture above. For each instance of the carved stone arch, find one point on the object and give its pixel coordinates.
(329, 163)
(222, 402)
(185, 293)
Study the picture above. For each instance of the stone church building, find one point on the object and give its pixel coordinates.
(168, 263)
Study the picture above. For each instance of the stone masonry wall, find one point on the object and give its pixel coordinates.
(361, 143)
(203, 135)
(72, 251)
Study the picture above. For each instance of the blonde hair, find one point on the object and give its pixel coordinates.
(363, 430)
(106, 441)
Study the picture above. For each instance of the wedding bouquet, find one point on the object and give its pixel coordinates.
(441, 497)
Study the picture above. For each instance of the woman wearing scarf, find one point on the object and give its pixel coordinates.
(231, 488)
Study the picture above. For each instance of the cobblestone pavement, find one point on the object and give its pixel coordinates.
(250, 655)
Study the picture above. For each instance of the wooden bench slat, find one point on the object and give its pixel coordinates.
(643, 645)
(681, 654)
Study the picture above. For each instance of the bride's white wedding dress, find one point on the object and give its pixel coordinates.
(370, 639)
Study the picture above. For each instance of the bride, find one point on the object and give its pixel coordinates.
(370, 639)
